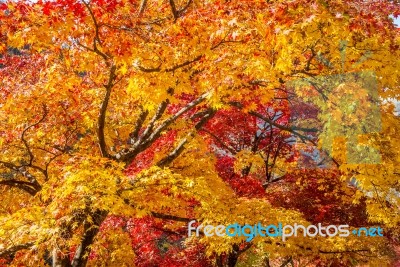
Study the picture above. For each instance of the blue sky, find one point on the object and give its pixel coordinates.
(397, 21)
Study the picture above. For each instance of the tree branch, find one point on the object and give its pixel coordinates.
(134, 135)
(181, 146)
(97, 35)
(32, 187)
(23, 185)
(102, 115)
(142, 8)
(171, 69)
(227, 147)
(170, 217)
(90, 231)
(160, 111)
(183, 9)
(287, 261)
(186, 63)
(277, 125)
(128, 155)
(173, 9)
(12, 250)
(31, 156)
(343, 251)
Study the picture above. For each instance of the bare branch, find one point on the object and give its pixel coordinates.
(84, 46)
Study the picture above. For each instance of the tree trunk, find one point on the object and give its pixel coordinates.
(59, 261)
(266, 262)
(91, 229)
(233, 256)
(219, 261)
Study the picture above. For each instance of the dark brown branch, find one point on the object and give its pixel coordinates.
(32, 187)
(173, 9)
(84, 46)
(308, 130)
(281, 127)
(176, 15)
(247, 247)
(284, 128)
(186, 63)
(170, 217)
(277, 125)
(160, 111)
(142, 8)
(171, 69)
(10, 165)
(286, 262)
(62, 151)
(138, 125)
(12, 250)
(97, 34)
(23, 185)
(233, 256)
(181, 146)
(96, 25)
(266, 262)
(275, 157)
(31, 156)
(90, 231)
(229, 148)
(183, 9)
(343, 251)
(102, 115)
(149, 70)
(128, 155)
(181, 112)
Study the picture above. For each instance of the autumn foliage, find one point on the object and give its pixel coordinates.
(123, 120)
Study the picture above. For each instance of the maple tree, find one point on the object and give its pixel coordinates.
(121, 121)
